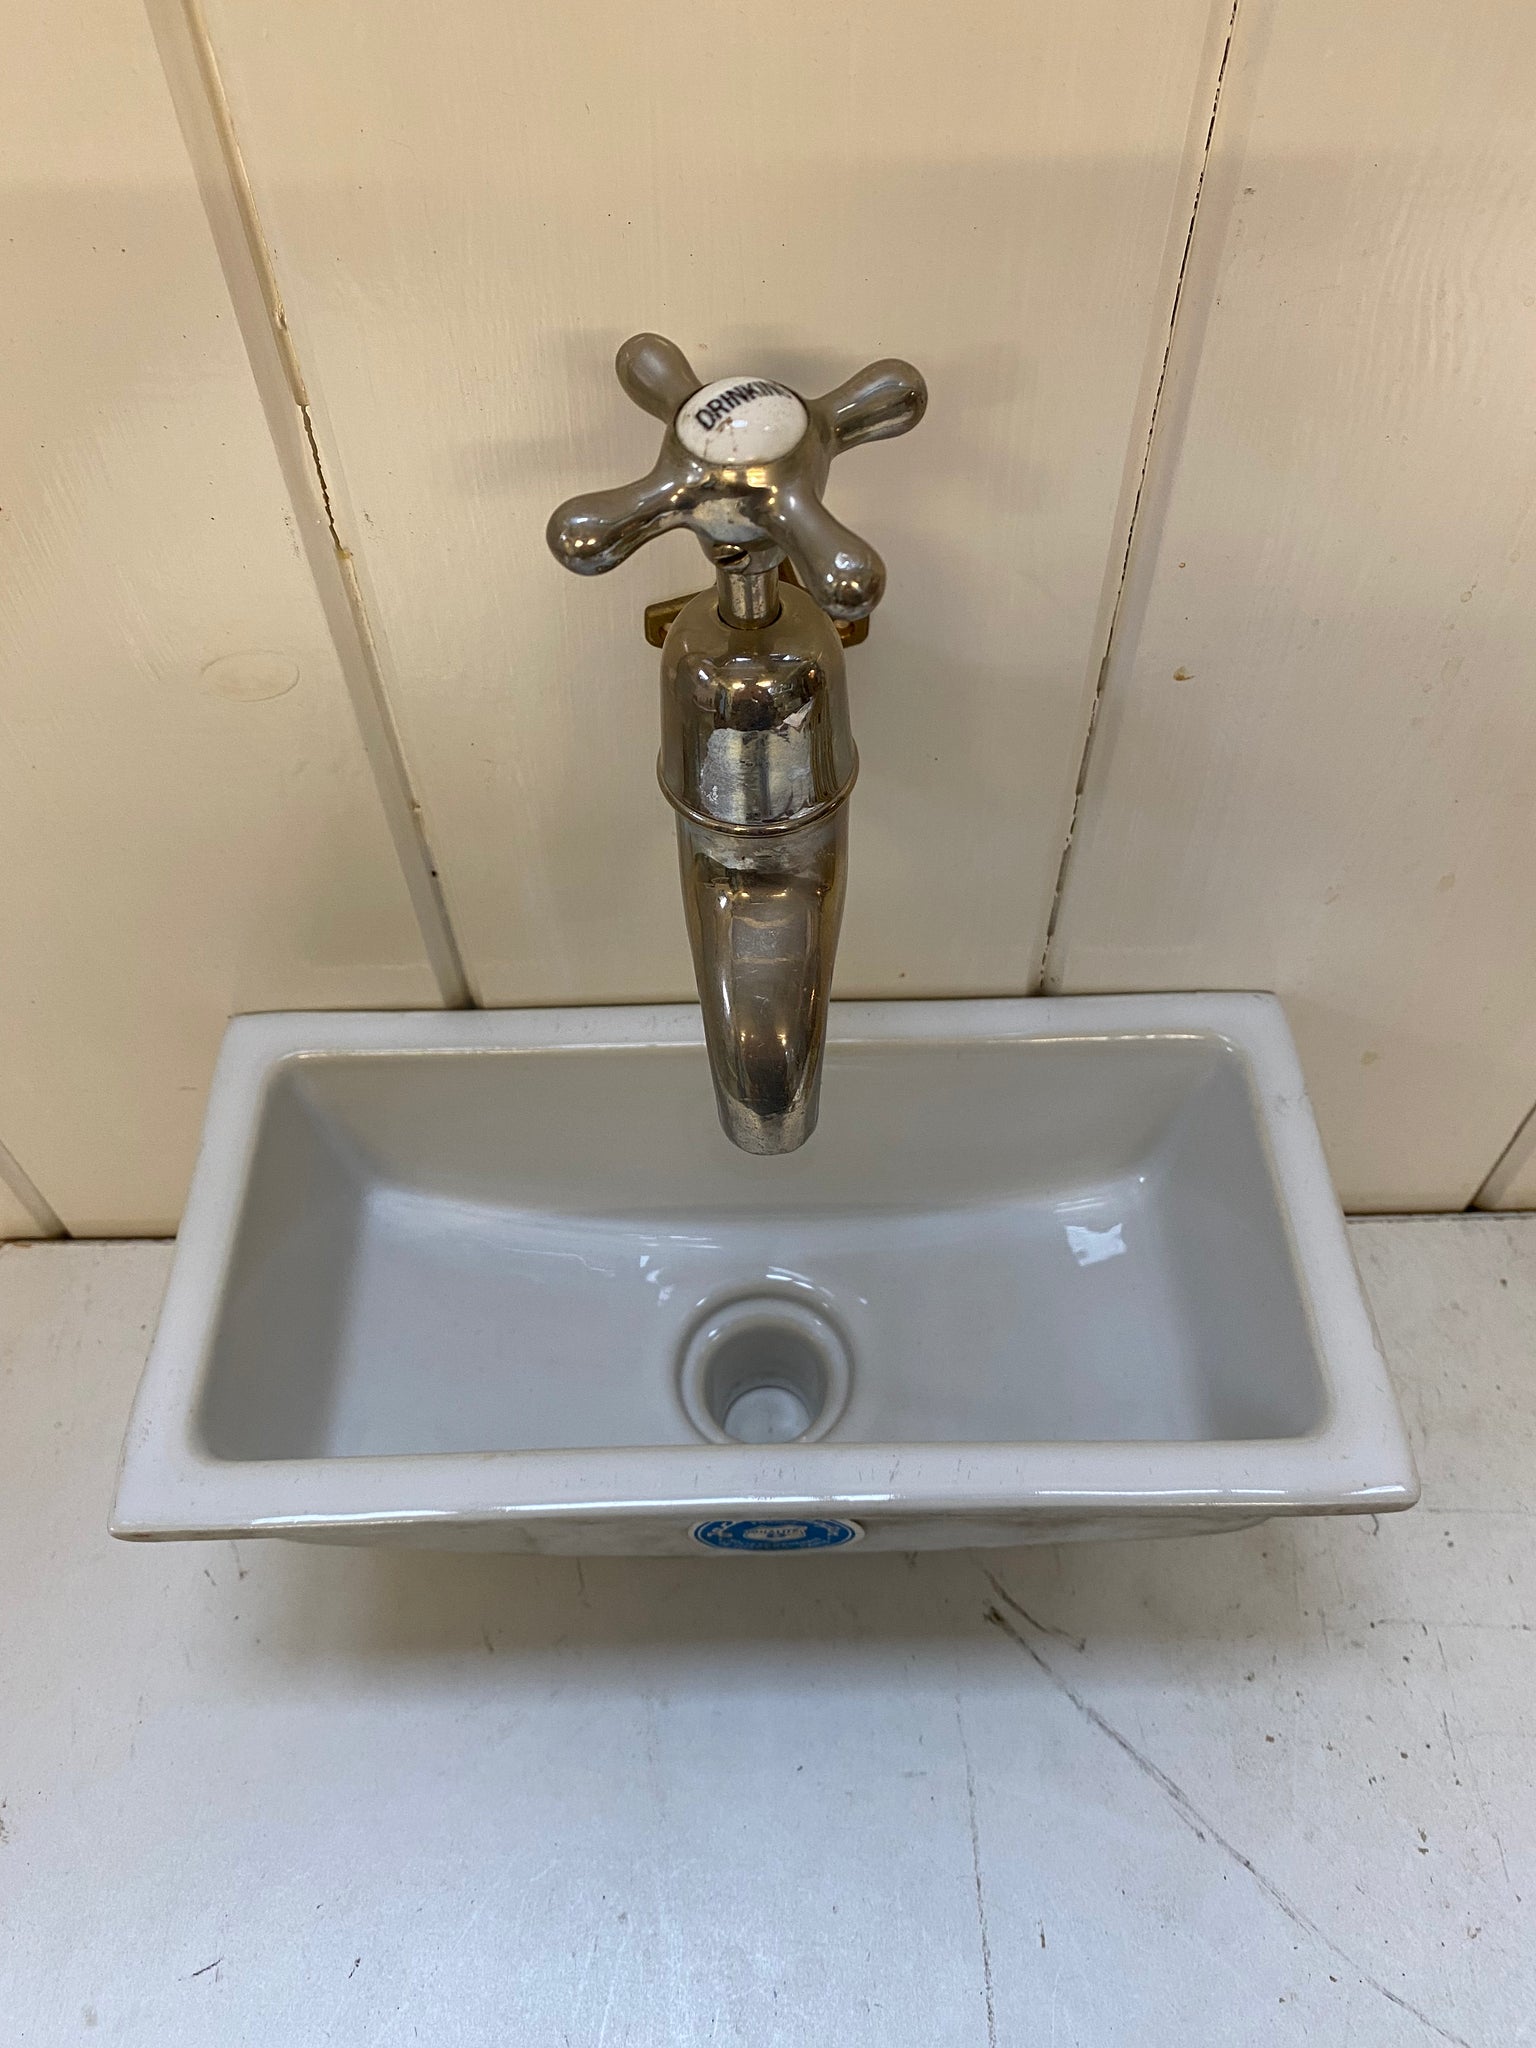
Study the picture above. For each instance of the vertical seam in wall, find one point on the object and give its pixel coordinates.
(1144, 465)
(202, 108)
(29, 1195)
(1510, 1162)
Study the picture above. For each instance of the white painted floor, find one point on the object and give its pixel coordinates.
(1266, 1788)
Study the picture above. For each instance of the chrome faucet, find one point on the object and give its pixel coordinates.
(757, 757)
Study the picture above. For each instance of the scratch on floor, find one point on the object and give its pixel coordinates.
(1477, 1794)
(1044, 1628)
(1205, 1830)
(981, 1897)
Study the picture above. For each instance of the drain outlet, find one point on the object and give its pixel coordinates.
(762, 1370)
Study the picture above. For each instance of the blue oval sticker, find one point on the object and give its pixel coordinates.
(789, 1534)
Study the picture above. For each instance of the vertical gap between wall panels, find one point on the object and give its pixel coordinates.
(1234, 48)
(197, 93)
(1512, 1164)
(31, 1198)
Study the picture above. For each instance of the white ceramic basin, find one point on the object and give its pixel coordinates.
(1048, 1268)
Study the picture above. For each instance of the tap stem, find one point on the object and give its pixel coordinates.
(746, 596)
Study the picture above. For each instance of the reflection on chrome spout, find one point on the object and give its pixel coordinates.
(757, 756)
(763, 915)
(757, 760)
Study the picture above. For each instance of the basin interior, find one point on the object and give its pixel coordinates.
(1013, 1241)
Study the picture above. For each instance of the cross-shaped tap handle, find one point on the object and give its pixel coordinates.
(743, 464)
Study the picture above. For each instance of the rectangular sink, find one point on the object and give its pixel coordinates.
(1049, 1268)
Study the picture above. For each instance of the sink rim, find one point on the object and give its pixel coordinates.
(1357, 1460)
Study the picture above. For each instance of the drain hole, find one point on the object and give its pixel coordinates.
(767, 1415)
(765, 1371)
(765, 1383)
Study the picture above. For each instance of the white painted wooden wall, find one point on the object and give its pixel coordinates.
(296, 710)
(188, 825)
(1314, 766)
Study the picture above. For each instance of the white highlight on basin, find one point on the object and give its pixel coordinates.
(1088, 1247)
